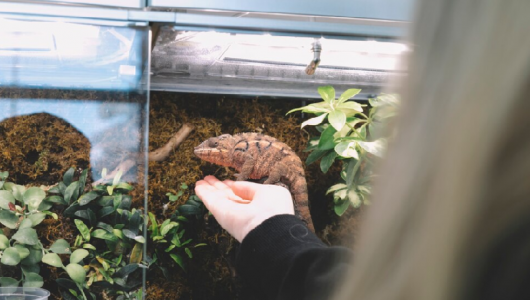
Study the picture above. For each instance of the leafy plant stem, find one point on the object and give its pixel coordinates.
(80, 287)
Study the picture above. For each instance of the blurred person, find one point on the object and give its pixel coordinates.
(451, 208)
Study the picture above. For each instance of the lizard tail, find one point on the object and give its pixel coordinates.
(301, 202)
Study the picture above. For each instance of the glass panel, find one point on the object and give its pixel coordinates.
(76, 96)
(262, 64)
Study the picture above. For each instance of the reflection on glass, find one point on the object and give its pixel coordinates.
(65, 55)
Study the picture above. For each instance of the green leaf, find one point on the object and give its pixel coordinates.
(315, 155)
(4, 242)
(26, 223)
(315, 120)
(83, 229)
(117, 178)
(327, 161)
(327, 93)
(61, 246)
(33, 197)
(136, 253)
(105, 211)
(88, 197)
(8, 219)
(26, 236)
(178, 259)
(78, 255)
(376, 147)
(314, 108)
(327, 139)
(336, 187)
(52, 259)
(18, 191)
(353, 198)
(45, 205)
(348, 94)
(341, 207)
(23, 252)
(33, 280)
(124, 186)
(36, 218)
(71, 192)
(337, 119)
(140, 239)
(347, 149)
(3, 175)
(351, 105)
(188, 251)
(34, 257)
(110, 190)
(89, 246)
(6, 197)
(8, 282)
(10, 257)
(56, 199)
(104, 235)
(76, 272)
(68, 176)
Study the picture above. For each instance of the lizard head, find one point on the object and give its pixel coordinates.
(216, 150)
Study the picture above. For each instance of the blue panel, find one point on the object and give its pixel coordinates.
(399, 10)
(53, 54)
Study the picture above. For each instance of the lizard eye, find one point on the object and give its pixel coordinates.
(213, 144)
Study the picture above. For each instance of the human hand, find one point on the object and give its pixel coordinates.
(240, 206)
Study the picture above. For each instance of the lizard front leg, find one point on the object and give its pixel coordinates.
(246, 168)
(276, 173)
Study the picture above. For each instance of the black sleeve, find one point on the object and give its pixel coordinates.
(282, 259)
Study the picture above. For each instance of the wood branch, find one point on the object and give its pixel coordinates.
(158, 155)
(163, 152)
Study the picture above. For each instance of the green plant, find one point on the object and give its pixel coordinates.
(168, 236)
(21, 209)
(349, 134)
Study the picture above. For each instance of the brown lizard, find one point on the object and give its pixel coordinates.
(256, 156)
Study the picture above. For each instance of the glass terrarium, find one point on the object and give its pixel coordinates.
(73, 138)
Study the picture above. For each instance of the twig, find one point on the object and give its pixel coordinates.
(157, 155)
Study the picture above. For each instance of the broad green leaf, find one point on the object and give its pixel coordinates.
(23, 252)
(83, 229)
(327, 161)
(36, 218)
(336, 187)
(6, 197)
(347, 149)
(89, 246)
(164, 229)
(8, 219)
(26, 236)
(82, 181)
(354, 198)
(18, 191)
(140, 239)
(351, 171)
(26, 269)
(327, 93)
(315, 120)
(61, 246)
(117, 178)
(78, 255)
(87, 198)
(71, 192)
(104, 235)
(33, 197)
(110, 190)
(348, 94)
(118, 233)
(327, 139)
(33, 280)
(4, 242)
(52, 259)
(313, 109)
(104, 173)
(341, 207)
(136, 253)
(34, 257)
(124, 186)
(10, 257)
(376, 147)
(68, 176)
(351, 105)
(26, 223)
(337, 119)
(45, 205)
(178, 259)
(315, 155)
(56, 199)
(3, 175)
(76, 272)
(8, 282)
